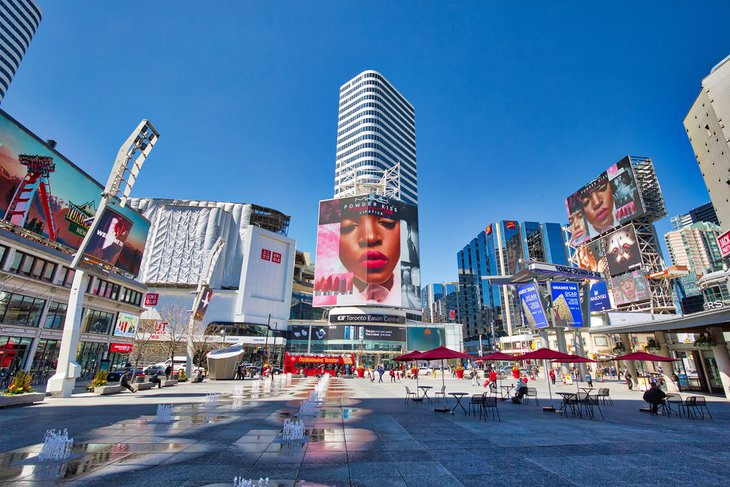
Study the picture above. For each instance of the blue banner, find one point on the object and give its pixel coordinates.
(566, 304)
(598, 295)
(531, 306)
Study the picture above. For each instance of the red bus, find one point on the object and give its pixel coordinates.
(310, 364)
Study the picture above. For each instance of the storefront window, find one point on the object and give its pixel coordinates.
(19, 310)
(96, 321)
(45, 360)
(88, 358)
(56, 316)
(13, 353)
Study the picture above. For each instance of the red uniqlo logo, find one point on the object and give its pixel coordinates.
(276, 258)
(266, 254)
(151, 299)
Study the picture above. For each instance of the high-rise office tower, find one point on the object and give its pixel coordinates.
(19, 20)
(440, 302)
(497, 252)
(376, 140)
(703, 213)
(709, 133)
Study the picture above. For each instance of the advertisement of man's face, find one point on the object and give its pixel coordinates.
(622, 251)
(364, 244)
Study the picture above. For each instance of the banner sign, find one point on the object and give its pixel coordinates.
(205, 297)
(120, 348)
(598, 295)
(151, 299)
(126, 325)
(724, 243)
(367, 318)
(566, 304)
(531, 306)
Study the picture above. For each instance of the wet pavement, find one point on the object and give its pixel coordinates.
(364, 434)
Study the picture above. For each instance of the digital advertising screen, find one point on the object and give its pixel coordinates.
(608, 201)
(630, 288)
(424, 338)
(566, 304)
(353, 333)
(622, 251)
(532, 306)
(117, 239)
(598, 296)
(367, 253)
(40, 190)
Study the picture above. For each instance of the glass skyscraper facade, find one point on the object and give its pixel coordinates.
(440, 302)
(376, 139)
(499, 251)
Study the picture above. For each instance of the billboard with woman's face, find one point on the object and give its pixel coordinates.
(631, 287)
(605, 203)
(367, 253)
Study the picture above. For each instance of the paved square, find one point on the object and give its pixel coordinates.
(364, 435)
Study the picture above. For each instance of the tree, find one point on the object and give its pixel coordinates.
(174, 338)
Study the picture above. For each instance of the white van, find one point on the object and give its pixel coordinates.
(180, 362)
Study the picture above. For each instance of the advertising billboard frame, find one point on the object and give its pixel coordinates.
(532, 307)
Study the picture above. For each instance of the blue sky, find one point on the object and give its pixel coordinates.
(517, 103)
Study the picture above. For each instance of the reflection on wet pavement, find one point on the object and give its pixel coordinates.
(142, 443)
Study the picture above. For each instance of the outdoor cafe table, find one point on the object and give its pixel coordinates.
(505, 391)
(458, 396)
(425, 392)
(567, 398)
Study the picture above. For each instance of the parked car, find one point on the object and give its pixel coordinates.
(154, 368)
(425, 371)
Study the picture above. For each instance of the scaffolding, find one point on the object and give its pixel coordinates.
(385, 182)
(271, 220)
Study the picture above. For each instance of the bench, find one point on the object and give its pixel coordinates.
(19, 399)
(106, 390)
(145, 386)
(169, 382)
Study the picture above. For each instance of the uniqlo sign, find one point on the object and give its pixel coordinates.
(276, 258)
(151, 299)
(266, 254)
(724, 242)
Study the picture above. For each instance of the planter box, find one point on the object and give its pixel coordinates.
(169, 382)
(20, 399)
(106, 390)
(145, 386)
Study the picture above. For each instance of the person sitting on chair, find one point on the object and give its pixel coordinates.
(519, 391)
(654, 396)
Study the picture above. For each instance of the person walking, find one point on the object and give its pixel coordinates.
(124, 382)
(629, 380)
(168, 371)
(392, 375)
(381, 371)
(589, 380)
(474, 378)
(552, 376)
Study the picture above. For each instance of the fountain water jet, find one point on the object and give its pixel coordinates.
(57, 446)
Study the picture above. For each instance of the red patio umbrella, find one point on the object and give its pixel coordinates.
(408, 357)
(496, 356)
(645, 357)
(553, 356)
(442, 353)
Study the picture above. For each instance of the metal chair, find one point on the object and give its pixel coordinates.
(442, 393)
(476, 402)
(696, 403)
(673, 404)
(531, 392)
(589, 402)
(604, 395)
(489, 403)
(410, 395)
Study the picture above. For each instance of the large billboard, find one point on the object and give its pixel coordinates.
(42, 191)
(117, 240)
(46, 194)
(367, 253)
(532, 306)
(566, 304)
(425, 338)
(605, 203)
(126, 325)
(630, 288)
(622, 251)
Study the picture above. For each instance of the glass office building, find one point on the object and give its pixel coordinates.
(494, 311)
